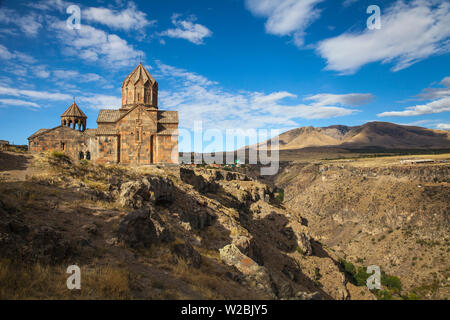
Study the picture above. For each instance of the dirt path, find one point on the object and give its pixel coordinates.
(15, 166)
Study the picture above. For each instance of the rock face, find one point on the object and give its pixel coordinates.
(151, 189)
(256, 275)
(203, 183)
(162, 231)
(137, 230)
(304, 243)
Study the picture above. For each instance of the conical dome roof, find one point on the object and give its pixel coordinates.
(139, 73)
(74, 111)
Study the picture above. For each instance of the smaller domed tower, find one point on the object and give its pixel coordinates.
(139, 88)
(73, 116)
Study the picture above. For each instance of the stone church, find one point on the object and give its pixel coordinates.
(136, 134)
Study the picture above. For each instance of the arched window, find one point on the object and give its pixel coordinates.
(81, 155)
(88, 155)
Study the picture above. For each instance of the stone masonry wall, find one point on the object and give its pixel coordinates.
(71, 141)
(105, 150)
(166, 149)
(136, 143)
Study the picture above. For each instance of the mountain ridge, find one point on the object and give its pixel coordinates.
(371, 134)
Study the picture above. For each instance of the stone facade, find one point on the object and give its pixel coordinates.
(136, 134)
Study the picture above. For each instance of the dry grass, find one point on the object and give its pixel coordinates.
(97, 185)
(49, 282)
(385, 161)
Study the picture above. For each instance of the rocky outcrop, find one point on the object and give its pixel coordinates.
(137, 230)
(255, 275)
(304, 243)
(149, 190)
(162, 230)
(203, 183)
(207, 180)
(142, 228)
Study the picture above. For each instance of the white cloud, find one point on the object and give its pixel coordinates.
(437, 106)
(48, 5)
(440, 102)
(443, 126)
(127, 19)
(94, 45)
(75, 76)
(8, 55)
(100, 101)
(42, 95)
(29, 24)
(435, 93)
(446, 82)
(410, 32)
(188, 30)
(348, 3)
(352, 99)
(93, 101)
(5, 53)
(197, 98)
(286, 17)
(19, 103)
(186, 76)
(41, 71)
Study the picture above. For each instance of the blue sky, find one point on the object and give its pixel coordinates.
(247, 64)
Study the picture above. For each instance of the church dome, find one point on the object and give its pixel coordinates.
(139, 87)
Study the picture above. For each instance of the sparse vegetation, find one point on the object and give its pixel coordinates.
(39, 281)
(279, 196)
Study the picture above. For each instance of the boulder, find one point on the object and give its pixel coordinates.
(308, 296)
(137, 230)
(304, 243)
(256, 275)
(150, 189)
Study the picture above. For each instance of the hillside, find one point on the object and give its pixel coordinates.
(372, 134)
(155, 233)
(379, 211)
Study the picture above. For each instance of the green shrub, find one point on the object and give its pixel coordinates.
(280, 195)
(84, 162)
(383, 294)
(391, 282)
(361, 277)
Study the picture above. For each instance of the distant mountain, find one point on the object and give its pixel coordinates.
(372, 134)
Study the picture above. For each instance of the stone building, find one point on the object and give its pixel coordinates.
(136, 134)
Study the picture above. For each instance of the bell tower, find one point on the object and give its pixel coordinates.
(139, 88)
(74, 117)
